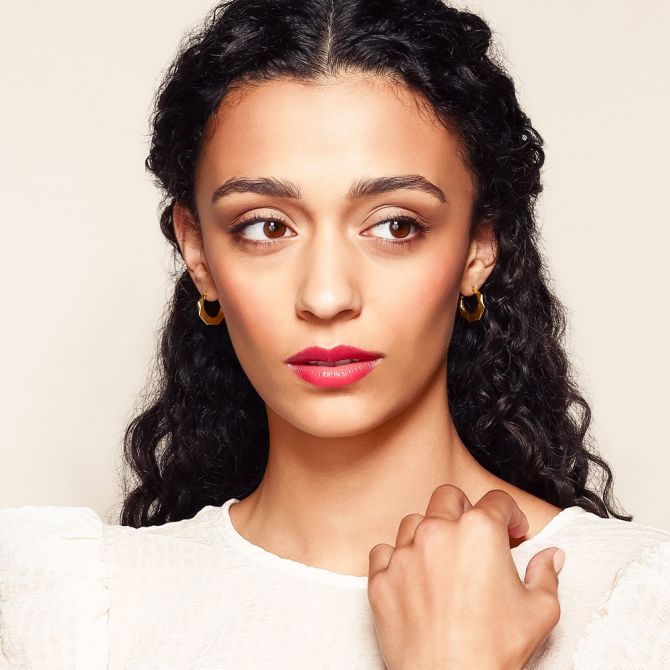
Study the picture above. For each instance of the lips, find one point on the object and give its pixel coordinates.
(328, 368)
(339, 354)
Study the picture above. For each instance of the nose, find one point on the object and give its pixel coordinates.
(329, 281)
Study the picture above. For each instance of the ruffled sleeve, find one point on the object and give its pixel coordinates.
(631, 627)
(54, 596)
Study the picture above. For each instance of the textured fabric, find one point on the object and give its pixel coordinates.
(54, 596)
(79, 594)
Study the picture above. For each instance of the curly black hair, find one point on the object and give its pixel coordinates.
(201, 436)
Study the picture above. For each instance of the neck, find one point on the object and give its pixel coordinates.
(327, 501)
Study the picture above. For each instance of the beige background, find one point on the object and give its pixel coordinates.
(84, 271)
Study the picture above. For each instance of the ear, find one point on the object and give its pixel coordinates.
(189, 237)
(481, 258)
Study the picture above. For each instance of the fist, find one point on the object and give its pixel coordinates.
(448, 595)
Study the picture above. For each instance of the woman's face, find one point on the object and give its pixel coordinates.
(325, 269)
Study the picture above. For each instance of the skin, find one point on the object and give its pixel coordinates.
(345, 465)
(439, 601)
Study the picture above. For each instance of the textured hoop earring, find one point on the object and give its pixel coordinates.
(479, 310)
(209, 320)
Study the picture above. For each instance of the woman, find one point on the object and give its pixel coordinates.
(368, 452)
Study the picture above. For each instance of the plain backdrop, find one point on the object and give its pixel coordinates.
(85, 268)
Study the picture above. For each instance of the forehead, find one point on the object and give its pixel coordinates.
(350, 126)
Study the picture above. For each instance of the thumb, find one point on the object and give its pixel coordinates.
(543, 568)
(542, 584)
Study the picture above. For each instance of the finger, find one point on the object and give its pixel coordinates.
(406, 529)
(501, 506)
(541, 581)
(541, 574)
(379, 558)
(448, 502)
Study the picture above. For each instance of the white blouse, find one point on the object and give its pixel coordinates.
(77, 593)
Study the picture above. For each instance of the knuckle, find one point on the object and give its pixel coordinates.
(374, 551)
(410, 519)
(378, 557)
(429, 529)
(551, 608)
(377, 587)
(448, 489)
(500, 492)
(498, 495)
(450, 493)
(452, 498)
(401, 561)
(555, 611)
(480, 520)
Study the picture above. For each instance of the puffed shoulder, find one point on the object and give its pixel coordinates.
(54, 596)
(631, 627)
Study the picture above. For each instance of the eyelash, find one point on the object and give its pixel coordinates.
(238, 227)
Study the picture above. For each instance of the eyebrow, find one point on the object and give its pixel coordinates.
(361, 188)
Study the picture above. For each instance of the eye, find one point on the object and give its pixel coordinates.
(273, 226)
(402, 223)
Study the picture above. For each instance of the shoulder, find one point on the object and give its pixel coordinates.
(142, 560)
(203, 527)
(599, 550)
(611, 542)
(596, 549)
(45, 544)
(48, 535)
(606, 589)
(52, 579)
(24, 522)
(630, 627)
(617, 577)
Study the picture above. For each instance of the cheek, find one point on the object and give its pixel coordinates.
(259, 309)
(429, 290)
(408, 305)
(422, 314)
(254, 315)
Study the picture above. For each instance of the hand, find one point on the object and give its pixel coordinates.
(448, 595)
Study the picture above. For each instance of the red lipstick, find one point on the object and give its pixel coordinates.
(335, 367)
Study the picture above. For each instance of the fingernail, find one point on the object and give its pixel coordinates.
(559, 560)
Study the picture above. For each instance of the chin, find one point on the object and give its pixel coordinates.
(342, 422)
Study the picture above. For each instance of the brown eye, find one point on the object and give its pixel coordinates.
(269, 228)
(272, 227)
(402, 225)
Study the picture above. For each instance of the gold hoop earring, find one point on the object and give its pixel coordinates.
(209, 320)
(479, 310)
